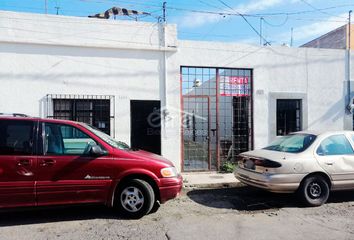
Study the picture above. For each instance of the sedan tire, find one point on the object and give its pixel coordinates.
(314, 191)
(135, 198)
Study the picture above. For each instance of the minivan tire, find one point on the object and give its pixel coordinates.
(135, 198)
(314, 191)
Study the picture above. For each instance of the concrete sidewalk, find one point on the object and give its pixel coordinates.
(209, 180)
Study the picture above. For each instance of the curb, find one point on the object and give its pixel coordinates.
(213, 185)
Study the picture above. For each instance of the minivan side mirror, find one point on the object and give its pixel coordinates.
(97, 151)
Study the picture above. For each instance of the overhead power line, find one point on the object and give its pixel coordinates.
(317, 9)
(244, 18)
(226, 13)
(222, 13)
(277, 25)
(256, 14)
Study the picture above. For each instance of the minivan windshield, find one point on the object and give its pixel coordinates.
(105, 137)
(293, 143)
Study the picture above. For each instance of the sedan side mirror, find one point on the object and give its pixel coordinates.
(97, 151)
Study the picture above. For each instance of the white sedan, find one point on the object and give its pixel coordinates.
(307, 163)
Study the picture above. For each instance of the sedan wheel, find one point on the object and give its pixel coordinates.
(314, 191)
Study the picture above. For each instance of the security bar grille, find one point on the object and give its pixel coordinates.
(216, 116)
(96, 110)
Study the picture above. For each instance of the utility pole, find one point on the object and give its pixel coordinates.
(163, 83)
(292, 37)
(164, 12)
(261, 31)
(57, 10)
(348, 61)
(349, 29)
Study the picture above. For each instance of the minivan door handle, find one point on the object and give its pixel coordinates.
(24, 162)
(47, 162)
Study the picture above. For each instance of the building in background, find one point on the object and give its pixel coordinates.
(336, 39)
(195, 103)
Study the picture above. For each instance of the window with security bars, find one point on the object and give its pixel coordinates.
(93, 111)
(288, 116)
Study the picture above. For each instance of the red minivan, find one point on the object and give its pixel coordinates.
(47, 162)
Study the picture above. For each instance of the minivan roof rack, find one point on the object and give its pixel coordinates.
(14, 114)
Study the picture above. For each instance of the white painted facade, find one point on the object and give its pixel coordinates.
(317, 76)
(45, 54)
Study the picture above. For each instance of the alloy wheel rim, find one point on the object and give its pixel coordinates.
(314, 190)
(132, 199)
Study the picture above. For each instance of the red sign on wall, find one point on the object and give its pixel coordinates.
(234, 86)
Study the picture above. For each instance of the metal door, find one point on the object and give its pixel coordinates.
(146, 125)
(196, 133)
(228, 130)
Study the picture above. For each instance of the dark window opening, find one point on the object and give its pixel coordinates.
(288, 116)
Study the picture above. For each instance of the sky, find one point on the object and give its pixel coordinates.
(275, 22)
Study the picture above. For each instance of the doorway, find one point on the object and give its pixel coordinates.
(145, 132)
(217, 116)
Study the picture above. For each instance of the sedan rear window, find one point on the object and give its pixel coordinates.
(293, 143)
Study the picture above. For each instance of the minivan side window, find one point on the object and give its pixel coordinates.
(62, 139)
(16, 137)
(335, 145)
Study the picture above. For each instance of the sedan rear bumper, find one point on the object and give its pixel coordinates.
(280, 183)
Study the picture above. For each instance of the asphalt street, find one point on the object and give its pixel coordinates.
(230, 213)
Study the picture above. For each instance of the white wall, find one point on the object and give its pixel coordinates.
(82, 31)
(316, 75)
(42, 55)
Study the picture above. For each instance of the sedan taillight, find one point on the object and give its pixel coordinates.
(266, 163)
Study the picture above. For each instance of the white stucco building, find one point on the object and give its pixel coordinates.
(117, 74)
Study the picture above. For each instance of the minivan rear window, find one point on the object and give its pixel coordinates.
(16, 137)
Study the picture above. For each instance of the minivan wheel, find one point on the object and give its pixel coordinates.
(314, 191)
(135, 198)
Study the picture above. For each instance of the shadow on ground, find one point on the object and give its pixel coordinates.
(252, 199)
(45, 215)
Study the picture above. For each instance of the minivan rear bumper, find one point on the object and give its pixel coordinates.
(170, 188)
